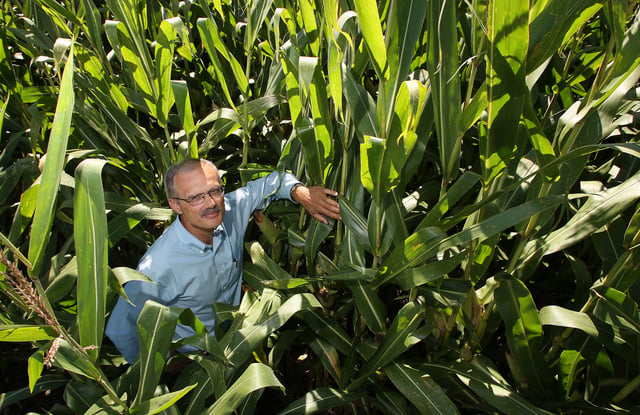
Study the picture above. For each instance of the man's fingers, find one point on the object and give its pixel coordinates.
(320, 218)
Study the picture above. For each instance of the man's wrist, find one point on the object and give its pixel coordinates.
(292, 191)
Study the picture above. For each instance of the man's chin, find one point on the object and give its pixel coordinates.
(213, 219)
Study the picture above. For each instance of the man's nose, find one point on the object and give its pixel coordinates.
(210, 198)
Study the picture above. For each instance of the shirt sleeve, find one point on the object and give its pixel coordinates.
(122, 327)
(274, 186)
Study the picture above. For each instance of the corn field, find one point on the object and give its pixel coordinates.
(487, 158)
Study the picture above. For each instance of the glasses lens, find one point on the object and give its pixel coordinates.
(216, 192)
(196, 199)
(199, 198)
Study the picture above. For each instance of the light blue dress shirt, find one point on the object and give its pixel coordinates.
(188, 273)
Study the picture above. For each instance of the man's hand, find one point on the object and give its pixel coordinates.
(317, 201)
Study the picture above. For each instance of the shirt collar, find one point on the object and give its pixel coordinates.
(190, 241)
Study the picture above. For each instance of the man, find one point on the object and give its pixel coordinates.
(197, 261)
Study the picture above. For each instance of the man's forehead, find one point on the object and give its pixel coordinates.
(193, 177)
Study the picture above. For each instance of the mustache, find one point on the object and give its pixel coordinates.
(210, 210)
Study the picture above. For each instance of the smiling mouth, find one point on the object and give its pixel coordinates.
(210, 211)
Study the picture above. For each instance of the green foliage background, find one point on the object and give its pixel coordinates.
(486, 155)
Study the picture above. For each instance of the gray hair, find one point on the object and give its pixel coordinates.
(184, 166)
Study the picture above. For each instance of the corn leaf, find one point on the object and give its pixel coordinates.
(156, 326)
(164, 61)
(425, 243)
(50, 181)
(90, 235)
(26, 333)
(506, 88)
(401, 335)
(523, 333)
(594, 213)
(442, 61)
(320, 400)
(404, 25)
(371, 27)
(423, 392)
(257, 376)
(160, 403)
(241, 343)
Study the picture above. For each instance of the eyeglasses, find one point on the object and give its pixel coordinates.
(214, 192)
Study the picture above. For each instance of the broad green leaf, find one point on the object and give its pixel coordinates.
(79, 395)
(73, 359)
(105, 405)
(328, 329)
(156, 326)
(543, 148)
(214, 373)
(307, 14)
(506, 89)
(208, 31)
(256, 376)
(26, 333)
(316, 234)
(35, 364)
(6, 73)
(290, 61)
(417, 276)
(392, 402)
(91, 20)
(404, 28)
(403, 128)
(164, 61)
(523, 331)
(328, 355)
(617, 309)
(160, 403)
(553, 24)
(375, 175)
(236, 68)
(562, 317)
(443, 64)
(338, 43)
(623, 73)
(320, 400)
(370, 306)
(270, 270)
(90, 236)
(362, 107)
(371, 27)
(632, 234)
(50, 181)
(597, 211)
(481, 376)
(318, 148)
(571, 364)
(3, 110)
(256, 16)
(183, 104)
(354, 222)
(426, 242)
(446, 202)
(241, 343)
(127, 13)
(400, 336)
(625, 272)
(417, 386)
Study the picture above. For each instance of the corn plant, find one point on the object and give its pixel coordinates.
(486, 156)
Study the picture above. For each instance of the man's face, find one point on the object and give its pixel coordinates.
(201, 219)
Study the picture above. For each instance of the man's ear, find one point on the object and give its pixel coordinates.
(175, 206)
